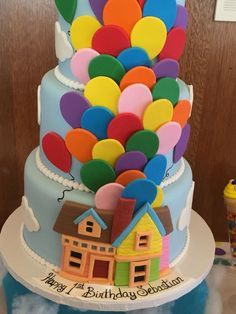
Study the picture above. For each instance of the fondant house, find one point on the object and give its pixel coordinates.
(106, 247)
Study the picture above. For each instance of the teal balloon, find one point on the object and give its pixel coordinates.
(105, 65)
(67, 9)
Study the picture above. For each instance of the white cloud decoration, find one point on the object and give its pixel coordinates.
(28, 217)
(63, 47)
(185, 216)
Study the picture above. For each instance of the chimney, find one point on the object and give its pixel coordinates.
(122, 216)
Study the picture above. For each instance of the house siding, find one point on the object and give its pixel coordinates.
(122, 273)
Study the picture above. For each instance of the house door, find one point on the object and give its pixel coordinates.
(101, 269)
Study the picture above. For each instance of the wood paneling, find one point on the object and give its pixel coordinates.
(209, 63)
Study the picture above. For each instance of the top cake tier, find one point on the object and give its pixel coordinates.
(155, 29)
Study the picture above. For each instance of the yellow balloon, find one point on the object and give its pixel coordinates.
(109, 150)
(159, 199)
(157, 113)
(82, 30)
(103, 91)
(150, 34)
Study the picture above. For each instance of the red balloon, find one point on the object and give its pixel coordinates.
(123, 126)
(141, 2)
(175, 43)
(56, 152)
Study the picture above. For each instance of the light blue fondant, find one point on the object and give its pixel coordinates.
(184, 90)
(52, 120)
(181, 2)
(42, 194)
(143, 210)
(91, 212)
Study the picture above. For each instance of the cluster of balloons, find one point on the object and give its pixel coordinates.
(131, 114)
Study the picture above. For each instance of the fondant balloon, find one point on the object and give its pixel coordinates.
(141, 74)
(97, 7)
(166, 88)
(67, 9)
(144, 141)
(135, 99)
(107, 196)
(123, 126)
(109, 150)
(144, 191)
(134, 160)
(182, 112)
(146, 28)
(156, 168)
(181, 17)
(141, 2)
(72, 106)
(124, 13)
(105, 65)
(96, 120)
(166, 68)
(157, 113)
(104, 45)
(128, 176)
(56, 152)
(80, 63)
(97, 173)
(175, 43)
(165, 10)
(169, 135)
(82, 31)
(181, 146)
(159, 198)
(133, 57)
(103, 91)
(80, 144)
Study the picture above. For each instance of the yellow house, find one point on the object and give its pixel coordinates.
(139, 248)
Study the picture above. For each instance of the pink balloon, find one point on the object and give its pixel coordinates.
(169, 135)
(54, 148)
(80, 63)
(108, 195)
(135, 99)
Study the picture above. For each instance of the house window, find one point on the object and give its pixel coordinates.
(74, 260)
(75, 243)
(139, 273)
(89, 227)
(143, 241)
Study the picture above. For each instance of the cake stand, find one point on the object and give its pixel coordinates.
(186, 275)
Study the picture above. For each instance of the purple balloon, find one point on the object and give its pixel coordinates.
(182, 17)
(134, 160)
(97, 7)
(181, 146)
(166, 68)
(73, 105)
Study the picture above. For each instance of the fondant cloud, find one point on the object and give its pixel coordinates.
(29, 219)
(185, 216)
(64, 49)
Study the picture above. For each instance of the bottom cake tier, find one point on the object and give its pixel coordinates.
(44, 211)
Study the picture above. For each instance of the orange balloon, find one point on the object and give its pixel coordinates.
(123, 13)
(139, 74)
(80, 144)
(182, 112)
(128, 176)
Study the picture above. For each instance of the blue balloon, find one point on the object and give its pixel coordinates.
(156, 168)
(96, 120)
(133, 57)
(166, 10)
(144, 191)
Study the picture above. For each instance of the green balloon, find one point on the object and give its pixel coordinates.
(166, 88)
(145, 141)
(67, 8)
(105, 65)
(96, 173)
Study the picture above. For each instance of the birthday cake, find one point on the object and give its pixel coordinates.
(108, 194)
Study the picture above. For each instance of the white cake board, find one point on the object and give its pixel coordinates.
(192, 269)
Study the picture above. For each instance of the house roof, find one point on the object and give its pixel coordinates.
(69, 214)
(91, 212)
(143, 210)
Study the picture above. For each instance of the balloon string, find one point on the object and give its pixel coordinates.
(168, 170)
(64, 192)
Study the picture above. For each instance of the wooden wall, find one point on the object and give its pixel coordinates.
(209, 63)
